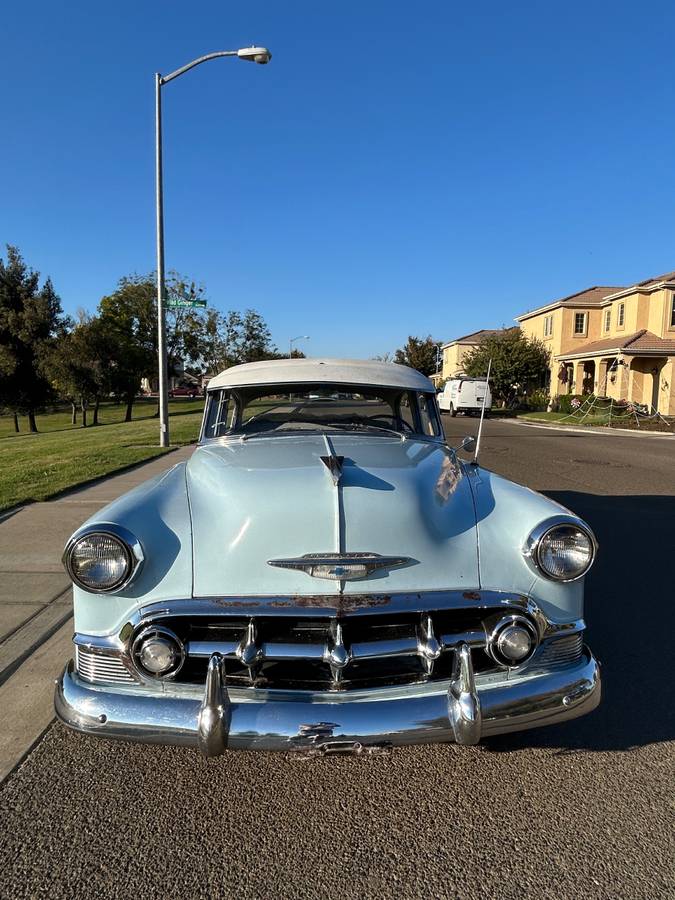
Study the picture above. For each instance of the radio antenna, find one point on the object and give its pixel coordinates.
(482, 415)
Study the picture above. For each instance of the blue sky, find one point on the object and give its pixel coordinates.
(398, 168)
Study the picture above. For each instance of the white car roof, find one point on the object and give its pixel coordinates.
(317, 371)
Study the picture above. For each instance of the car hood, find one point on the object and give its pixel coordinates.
(273, 498)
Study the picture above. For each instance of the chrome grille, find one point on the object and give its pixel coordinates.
(319, 653)
(561, 651)
(101, 667)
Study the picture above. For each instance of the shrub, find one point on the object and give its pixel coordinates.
(565, 401)
(538, 400)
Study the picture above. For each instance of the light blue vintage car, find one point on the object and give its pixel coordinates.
(326, 575)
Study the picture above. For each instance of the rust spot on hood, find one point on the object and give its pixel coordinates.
(471, 595)
(235, 604)
(340, 602)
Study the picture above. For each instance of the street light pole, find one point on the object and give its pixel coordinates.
(161, 311)
(300, 337)
(258, 55)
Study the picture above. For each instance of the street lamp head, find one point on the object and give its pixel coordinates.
(260, 55)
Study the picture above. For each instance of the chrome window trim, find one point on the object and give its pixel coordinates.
(531, 549)
(130, 542)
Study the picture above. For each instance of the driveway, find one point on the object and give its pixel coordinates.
(583, 809)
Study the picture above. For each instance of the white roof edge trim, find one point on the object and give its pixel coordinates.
(320, 371)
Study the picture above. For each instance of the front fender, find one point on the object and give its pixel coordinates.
(506, 513)
(157, 512)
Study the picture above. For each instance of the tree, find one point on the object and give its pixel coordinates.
(129, 320)
(420, 353)
(232, 338)
(517, 362)
(80, 366)
(31, 319)
(199, 339)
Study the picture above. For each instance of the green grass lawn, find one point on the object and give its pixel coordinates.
(109, 414)
(60, 456)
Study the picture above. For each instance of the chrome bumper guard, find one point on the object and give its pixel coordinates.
(237, 718)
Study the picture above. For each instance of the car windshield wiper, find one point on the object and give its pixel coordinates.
(349, 426)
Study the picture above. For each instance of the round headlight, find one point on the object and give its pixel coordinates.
(565, 552)
(99, 561)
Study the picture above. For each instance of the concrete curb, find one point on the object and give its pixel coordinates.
(590, 429)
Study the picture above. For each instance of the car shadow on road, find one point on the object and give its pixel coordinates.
(630, 614)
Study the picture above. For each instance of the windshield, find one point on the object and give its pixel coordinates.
(324, 407)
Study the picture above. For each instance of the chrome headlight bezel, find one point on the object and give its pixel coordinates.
(537, 535)
(131, 547)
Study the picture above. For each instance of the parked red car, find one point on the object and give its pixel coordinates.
(190, 392)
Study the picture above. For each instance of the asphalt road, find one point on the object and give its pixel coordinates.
(583, 809)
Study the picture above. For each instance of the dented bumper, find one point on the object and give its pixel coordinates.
(463, 709)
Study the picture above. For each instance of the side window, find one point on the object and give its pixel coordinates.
(621, 318)
(580, 323)
(608, 319)
(428, 418)
(406, 412)
(672, 312)
(220, 414)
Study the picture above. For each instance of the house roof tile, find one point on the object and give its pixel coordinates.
(477, 336)
(639, 341)
(669, 276)
(649, 341)
(592, 296)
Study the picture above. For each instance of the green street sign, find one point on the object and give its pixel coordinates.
(180, 303)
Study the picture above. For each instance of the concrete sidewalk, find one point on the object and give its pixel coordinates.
(35, 601)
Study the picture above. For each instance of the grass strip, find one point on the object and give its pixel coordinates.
(37, 466)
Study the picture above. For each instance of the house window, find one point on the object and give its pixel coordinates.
(548, 326)
(621, 318)
(672, 311)
(580, 323)
(608, 319)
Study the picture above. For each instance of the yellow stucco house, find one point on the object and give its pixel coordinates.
(612, 341)
(455, 352)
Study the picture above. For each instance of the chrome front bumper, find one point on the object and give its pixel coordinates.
(463, 709)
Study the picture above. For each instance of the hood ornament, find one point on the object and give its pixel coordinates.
(340, 566)
(334, 465)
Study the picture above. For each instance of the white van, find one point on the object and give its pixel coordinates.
(464, 394)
